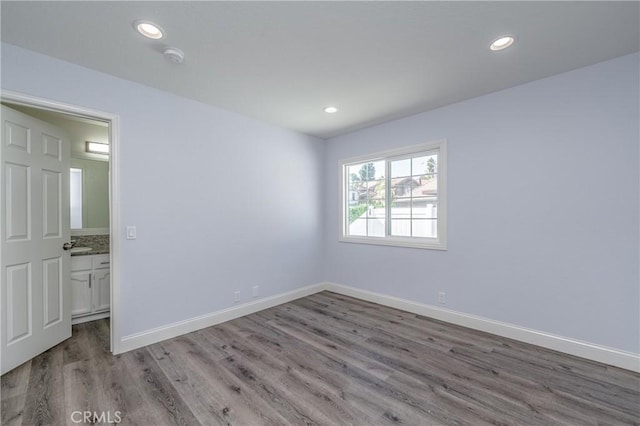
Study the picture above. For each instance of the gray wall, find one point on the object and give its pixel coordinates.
(543, 207)
(221, 202)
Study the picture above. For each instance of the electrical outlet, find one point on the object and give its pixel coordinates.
(442, 297)
(255, 291)
(237, 296)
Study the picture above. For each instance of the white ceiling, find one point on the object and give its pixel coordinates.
(282, 62)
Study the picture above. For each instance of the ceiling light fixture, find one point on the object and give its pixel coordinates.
(330, 110)
(148, 29)
(502, 43)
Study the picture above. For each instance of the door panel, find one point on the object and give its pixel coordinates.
(51, 203)
(35, 297)
(18, 207)
(19, 302)
(52, 285)
(17, 137)
(52, 147)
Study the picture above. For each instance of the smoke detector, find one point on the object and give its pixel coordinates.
(174, 54)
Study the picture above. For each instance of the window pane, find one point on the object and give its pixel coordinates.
(357, 211)
(376, 208)
(353, 175)
(424, 208)
(401, 209)
(354, 179)
(403, 187)
(364, 172)
(424, 228)
(376, 218)
(377, 169)
(401, 168)
(76, 198)
(376, 190)
(401, 227)
(424, 165)
(376, 227)
(425, 185)
(358, 227)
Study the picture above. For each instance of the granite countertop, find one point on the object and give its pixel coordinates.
(90, 252)
(99, 244)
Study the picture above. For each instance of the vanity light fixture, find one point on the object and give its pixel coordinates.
(330, 110)
(97, 148)
(148, 29)
(502, 43)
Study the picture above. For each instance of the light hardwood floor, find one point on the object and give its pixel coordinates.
(325, 359)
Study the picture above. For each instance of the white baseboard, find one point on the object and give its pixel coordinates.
(149, 337)
(610, 356)
(87, 318)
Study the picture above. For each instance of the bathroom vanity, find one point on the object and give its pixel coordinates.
(90, 286)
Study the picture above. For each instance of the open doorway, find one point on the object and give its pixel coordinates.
(90, 276)
(89, 187)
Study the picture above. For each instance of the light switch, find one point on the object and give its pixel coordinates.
(131, 232)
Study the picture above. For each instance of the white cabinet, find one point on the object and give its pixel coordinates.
(80, 293)
(101, 293)
(90, 286)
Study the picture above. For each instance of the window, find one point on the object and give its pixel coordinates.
(76, 198)
(396, 197)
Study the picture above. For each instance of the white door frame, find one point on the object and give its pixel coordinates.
(114, 189)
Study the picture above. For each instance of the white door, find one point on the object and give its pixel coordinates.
(35, 293)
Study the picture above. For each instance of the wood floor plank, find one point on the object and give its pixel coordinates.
(15, 382)
(248, 365)
(381, 399)
(14, 394)
(303, 385)
(44, 404)
(381, 317)
(77, 348)
(337, 348)
(161, 397)
(79, 388)
(540, 394)
(215, 395)
(405, 325)
(325, 359)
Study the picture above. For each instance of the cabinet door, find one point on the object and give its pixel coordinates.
(101, 290)
(80, 293)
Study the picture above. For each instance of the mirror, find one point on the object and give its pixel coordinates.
(90, 182)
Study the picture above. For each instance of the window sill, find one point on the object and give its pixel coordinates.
(430, 244)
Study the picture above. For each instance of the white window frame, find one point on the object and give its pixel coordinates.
(439, 243)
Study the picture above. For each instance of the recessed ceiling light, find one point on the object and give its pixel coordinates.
(502, 43)
(148, 29)
(330, 110)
